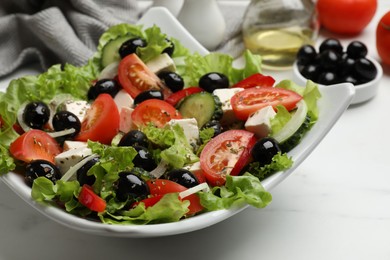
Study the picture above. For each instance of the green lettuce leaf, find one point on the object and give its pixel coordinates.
(7, 163)
(238, 190)
(280, 162)
(197, 65)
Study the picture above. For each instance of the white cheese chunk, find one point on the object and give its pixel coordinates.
(224, 96)
(67, 159)
(259, 122)
(79, 108)
(161, 63)
(125, 121)
(190, 129)
(123, 99)
(69, 145)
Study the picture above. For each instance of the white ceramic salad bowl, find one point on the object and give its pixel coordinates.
(334, 101)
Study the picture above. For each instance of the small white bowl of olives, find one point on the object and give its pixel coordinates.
(331, 64)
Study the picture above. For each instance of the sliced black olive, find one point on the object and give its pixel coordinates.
(170, 49)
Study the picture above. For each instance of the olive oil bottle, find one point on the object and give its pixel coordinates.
(276, 29)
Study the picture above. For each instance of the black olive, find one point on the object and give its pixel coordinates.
(82, 175)
(310, 71)
(144, 158)
(212, 81)
(41, 168)
(36, 114)
(365, 69)
(130, 186)
(347, 65)
(182, 177)
(170, 49)
(351, 79)
(331, 44)
(329, 60)
(133, 138)
(328, 78)
(148, 94)
(357, 49)
(172, 80)
(216, 125)
(264, 150)
(108, 86)
(130, 46)
(306, 54)
(66, 120)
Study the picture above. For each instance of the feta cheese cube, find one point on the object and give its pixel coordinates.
(194, 168)
(67, 159)
(161, 63)
(123, 99)
(259, 122)
(190, 128)
(69, 145)
(79, 108)
(224, 96)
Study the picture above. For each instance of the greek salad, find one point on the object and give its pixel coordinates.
(148, 132)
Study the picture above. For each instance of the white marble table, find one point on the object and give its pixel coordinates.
(335, 206)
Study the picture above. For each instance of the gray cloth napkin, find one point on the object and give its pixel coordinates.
(67, 31)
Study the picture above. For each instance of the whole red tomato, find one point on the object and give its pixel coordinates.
(383, 38)
(346, 16)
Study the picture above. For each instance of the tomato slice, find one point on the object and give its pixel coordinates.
(161, 187)
(227, 153)
(91, 200)
(154, 111)
(176, 97)
(33, 145)
(101, 122)
(151, 201)
(256, 80)
(248, 101)
(135, 77)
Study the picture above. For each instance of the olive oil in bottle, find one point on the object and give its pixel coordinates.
(276, 29)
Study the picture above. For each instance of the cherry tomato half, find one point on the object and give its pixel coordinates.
(154, 111)
(162, 186)
(383, 38)
(256, 80)
(176, 97)
(101, 122)
(135, 77)
(346, 16)
(91, 200)
(33, 145)
(248, 101)
(227, 153)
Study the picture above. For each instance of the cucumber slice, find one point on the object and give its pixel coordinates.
(296, 138)
(110, 52)
(202, 106)
(293, 125)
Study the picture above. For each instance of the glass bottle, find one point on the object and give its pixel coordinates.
(276, 29)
